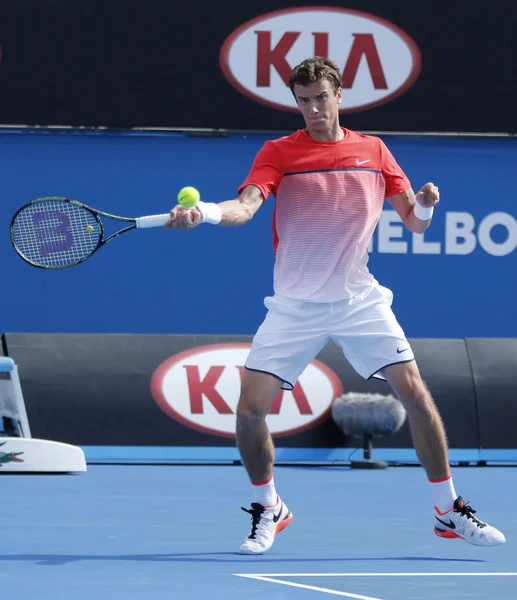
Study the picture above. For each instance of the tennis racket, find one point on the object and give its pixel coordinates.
(56, 233)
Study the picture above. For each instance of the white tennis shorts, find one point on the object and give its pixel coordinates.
(295, 331)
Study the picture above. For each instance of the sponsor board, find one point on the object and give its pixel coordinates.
(378, 60)
(8, 457)
(495, 234)
(200, 388)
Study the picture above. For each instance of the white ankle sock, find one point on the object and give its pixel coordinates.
(265, 492)
(444, 493)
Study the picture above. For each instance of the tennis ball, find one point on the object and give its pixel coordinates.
(89, 229)
(188, 197)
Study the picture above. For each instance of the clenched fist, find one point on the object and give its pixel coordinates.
(429, 195)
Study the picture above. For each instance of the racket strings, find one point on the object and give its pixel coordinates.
(55, 234)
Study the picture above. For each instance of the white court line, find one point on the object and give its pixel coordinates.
(474, 574)
(271, 577)
(307, 587)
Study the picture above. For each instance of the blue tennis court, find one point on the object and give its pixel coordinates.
(162, 532)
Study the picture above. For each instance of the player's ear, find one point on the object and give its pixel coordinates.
(339, 95)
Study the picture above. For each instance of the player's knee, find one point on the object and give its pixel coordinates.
(250, 410)
(257, 393)
(416, 395)
(407, 383)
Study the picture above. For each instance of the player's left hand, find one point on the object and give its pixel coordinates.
(429, 195)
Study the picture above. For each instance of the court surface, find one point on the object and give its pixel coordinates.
(172, 532)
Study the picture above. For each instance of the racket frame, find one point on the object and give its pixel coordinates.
(93, 211)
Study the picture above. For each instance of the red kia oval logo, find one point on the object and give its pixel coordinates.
(378, 61)
(200, 388)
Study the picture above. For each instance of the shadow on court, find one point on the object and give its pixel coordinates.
(213, 557)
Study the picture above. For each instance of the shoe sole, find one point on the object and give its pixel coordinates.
(280, 527)
(451, 535)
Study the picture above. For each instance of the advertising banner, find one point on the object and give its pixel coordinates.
(182, 391)
(127, 63)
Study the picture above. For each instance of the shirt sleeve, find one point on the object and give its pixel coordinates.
(266, 172)
(395, 178)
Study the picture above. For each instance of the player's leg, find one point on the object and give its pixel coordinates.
(427, 430)
(269, 515)
(453, 519)
(376, 346)
(254, 441)
(291, 335)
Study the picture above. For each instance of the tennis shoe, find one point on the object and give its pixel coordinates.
(460, 522)
(266, 522)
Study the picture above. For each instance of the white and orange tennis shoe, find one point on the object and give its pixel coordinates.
(265, 524)
(460, 522)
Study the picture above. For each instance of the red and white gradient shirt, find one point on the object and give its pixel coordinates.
(329, 198)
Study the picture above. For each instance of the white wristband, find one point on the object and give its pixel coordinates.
(210, 212)
(424, 213)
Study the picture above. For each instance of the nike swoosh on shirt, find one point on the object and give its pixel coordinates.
(450, 524)
(399, 351)
(361, 162)
(277, 517)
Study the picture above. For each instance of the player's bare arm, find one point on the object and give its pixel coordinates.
(242, 209)
(233, 212)
(406, 202)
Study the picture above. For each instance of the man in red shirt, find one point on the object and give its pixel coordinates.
(330, 184)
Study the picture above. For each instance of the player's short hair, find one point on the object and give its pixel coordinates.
(315, 69)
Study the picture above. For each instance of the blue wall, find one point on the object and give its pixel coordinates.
(213, 280)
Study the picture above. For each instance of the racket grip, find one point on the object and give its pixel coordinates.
(152, 221)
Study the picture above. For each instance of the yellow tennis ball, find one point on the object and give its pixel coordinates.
(188, 197)
(89, 229)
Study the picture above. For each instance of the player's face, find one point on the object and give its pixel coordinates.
(318, 104)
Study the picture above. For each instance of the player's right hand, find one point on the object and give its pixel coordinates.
(183, 218)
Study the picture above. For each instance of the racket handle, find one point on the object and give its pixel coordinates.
(152, 221)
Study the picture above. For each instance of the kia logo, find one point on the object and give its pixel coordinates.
(378, 61)
(200, 388)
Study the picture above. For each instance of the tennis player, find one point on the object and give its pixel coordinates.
(330, 184)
